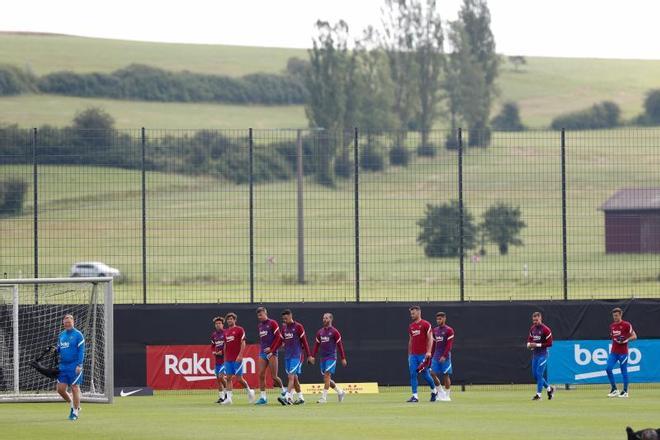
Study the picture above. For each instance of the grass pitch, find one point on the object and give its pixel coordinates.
(494, 414)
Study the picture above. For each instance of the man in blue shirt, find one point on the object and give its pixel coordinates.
(71, 347)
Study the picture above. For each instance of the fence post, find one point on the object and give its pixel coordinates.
(251, 211)
(563, 215)
(461, 214)
(144, 215)
(356, 191)
(300, 173)
(35, 195)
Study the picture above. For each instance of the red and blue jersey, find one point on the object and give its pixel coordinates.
(295, 341)
(218, 345)
(620, 331)
(328, 342)
(234, 337)
(443, 337)
(540, 334)
(420, 332)
(269, 335)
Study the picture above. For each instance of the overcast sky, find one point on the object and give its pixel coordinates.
(567, 28)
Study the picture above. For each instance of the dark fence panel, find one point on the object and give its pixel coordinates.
(489, 346)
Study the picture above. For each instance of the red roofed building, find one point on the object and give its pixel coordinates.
(632, 221)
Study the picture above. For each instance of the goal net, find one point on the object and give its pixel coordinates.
(31, 313)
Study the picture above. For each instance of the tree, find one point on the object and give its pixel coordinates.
(12, 196)
(509, 118)
(517, 61)
(396, 41)
(413, 42)
(476, 60)
(440, 233)
(501, 225)
(94, 127)
(652, 107)
(327, 81)
(429, 55)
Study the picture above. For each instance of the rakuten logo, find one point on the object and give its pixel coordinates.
(599, 356)
(198, 368)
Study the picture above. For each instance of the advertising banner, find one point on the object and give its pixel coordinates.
(584, 361)
(180, 367)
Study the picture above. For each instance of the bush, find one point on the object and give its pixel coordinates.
(509, 118)
(605, 114)
(652, 107)
(501, 225)
(12, 196)
(371, 157)
(399, 156)
(440, 234)
(479, 135)
(428, 150)
(94, 127)
(451, 142)
(344, 166)
(147, 83)
(14, 81)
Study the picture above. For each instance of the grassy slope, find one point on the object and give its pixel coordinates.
(544, 88)
(198, 231)
(496, 415)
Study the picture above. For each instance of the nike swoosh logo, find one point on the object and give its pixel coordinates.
(123, 394)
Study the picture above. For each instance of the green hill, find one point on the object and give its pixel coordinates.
(544, 87)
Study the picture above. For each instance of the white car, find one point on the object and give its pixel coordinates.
(94, 269)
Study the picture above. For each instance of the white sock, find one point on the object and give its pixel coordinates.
(549, 388)
(434, 390)
(287, 395)
(415, 395)
(220, 393)
(75, 411)
(229, 394)
(283, 390)
(71, 403)
(446, 390)
(224, 394)
(538, 394)
(300, 396)
(325, 393)
(263, 395)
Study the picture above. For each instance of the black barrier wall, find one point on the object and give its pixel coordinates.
(489, 346)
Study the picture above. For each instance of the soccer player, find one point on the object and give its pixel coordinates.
(621, 333)
(234, 349)
(420, 343)
(441, 367)
(539, 339)
(295, 343)
(218, 347)
(71, 347)
(269, 340)
(328, 341)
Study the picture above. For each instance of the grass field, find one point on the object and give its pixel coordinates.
(494, 415)
(36, 110)
(197, 227)
(544, 88)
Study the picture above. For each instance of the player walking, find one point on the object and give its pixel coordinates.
(441, 368)
(269, 340)
(71, 347)
(621, 333)
(420, 343)
(295, 342)
(218, 347)
(328, 342)
(234, 349)
(539, 339)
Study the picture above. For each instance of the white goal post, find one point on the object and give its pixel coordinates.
(31, 312)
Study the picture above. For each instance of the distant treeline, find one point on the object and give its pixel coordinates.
(146, 83)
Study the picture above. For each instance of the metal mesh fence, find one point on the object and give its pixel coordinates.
(312, 215)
